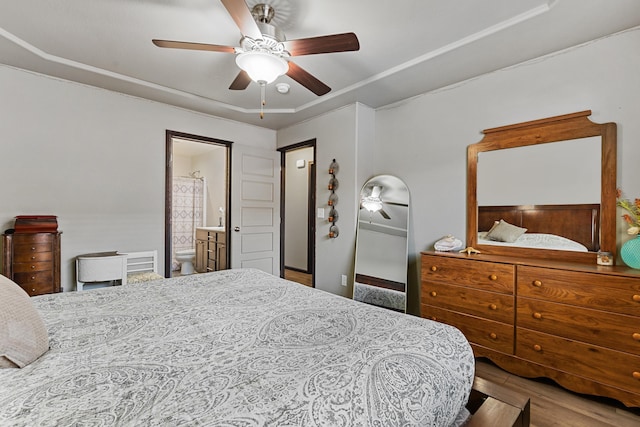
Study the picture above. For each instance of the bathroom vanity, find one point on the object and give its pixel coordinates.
(211, 249)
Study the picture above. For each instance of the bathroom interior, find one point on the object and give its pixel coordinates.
(198, 238)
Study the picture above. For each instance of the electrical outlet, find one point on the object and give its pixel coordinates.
(344, 280)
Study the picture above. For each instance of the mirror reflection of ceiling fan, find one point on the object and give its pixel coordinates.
(373, 202)
(264, 52)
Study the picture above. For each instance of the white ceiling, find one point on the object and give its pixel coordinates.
(407, 47)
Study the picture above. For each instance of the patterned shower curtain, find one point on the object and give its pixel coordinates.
(187, 209)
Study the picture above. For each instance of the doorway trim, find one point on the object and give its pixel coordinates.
(170, 135)
(311, 200)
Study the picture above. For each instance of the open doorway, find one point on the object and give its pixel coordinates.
(197, 201)
(297, 236)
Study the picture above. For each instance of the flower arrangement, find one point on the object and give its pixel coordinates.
(632, 217)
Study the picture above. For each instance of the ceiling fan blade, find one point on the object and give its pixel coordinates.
(384, 214)
(193, 46)
(241, 81)
(345, 42)
(307, 80)
(243, 18)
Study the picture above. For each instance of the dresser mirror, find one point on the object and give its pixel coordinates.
(554, 177)
(381, 243)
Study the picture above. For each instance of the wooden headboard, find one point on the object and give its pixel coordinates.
(580, 223)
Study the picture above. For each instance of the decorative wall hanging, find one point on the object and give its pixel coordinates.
(333, 199)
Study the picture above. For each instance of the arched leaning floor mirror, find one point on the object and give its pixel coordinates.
(381, 243)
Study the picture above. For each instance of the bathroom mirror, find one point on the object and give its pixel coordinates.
(556, 177)
(381, 243)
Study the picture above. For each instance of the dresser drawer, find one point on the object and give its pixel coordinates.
(26, 267)
(31, 238)
(491, 276)
(490, 305)
(32, 248)
(616, 331)
(598, 291)
(494, 335)
(603, 365)
(32, 256)
(35, 283)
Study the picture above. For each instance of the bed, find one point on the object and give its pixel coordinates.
(236, 348)
(558, 227)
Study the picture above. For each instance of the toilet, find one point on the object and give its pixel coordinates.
(186, 257)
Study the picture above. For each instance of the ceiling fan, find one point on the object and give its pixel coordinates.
(373, 202)
(264, 51)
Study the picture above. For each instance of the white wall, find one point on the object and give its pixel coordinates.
(94, 158)
(423, 140)
(337, 137)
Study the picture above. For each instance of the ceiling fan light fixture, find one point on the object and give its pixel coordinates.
(262, 66)
(371, 203)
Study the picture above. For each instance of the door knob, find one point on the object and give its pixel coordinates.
(236, 229)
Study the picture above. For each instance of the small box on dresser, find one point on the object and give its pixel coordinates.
(575, 323)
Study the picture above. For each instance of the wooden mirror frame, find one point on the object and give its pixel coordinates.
(553, 129)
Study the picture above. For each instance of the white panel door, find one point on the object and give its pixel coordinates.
(255, 209)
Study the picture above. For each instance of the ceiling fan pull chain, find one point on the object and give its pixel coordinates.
(263, 101)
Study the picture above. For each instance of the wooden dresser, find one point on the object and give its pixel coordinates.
(576, 324)
(32, 260)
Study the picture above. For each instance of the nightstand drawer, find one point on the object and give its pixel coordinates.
(489, 305)
(596, 327)
(601, 292)
(597, 363)
(489, 276)
(494, 335)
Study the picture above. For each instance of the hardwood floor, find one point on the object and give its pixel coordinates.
(299, 277)
(552, 406)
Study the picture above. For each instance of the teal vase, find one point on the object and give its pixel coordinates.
(630, 252)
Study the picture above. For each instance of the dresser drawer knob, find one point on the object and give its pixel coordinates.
(636, 298)
(433, 293)
(434, 318)
(537, 347)
(33, 267)
(537, 315)
(493, 306)
(537, 283)
(493, 277)
(33, 290)
(636, 336)
(434, 268)
(33, 257)
(33, 277)
(493, 335)
(636, 375)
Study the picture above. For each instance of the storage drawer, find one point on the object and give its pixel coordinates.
(597, 363)
(35, 283)
(25, 267)
(494, 335)
(617, 331)
(490, 305)
(31, 238)
(598, 291)
(490, 276)
(32, 248)
(202, 234)
(32, 256)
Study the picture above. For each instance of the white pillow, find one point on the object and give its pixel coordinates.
(23, 335)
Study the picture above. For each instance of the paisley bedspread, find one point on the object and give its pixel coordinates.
(236, 348)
